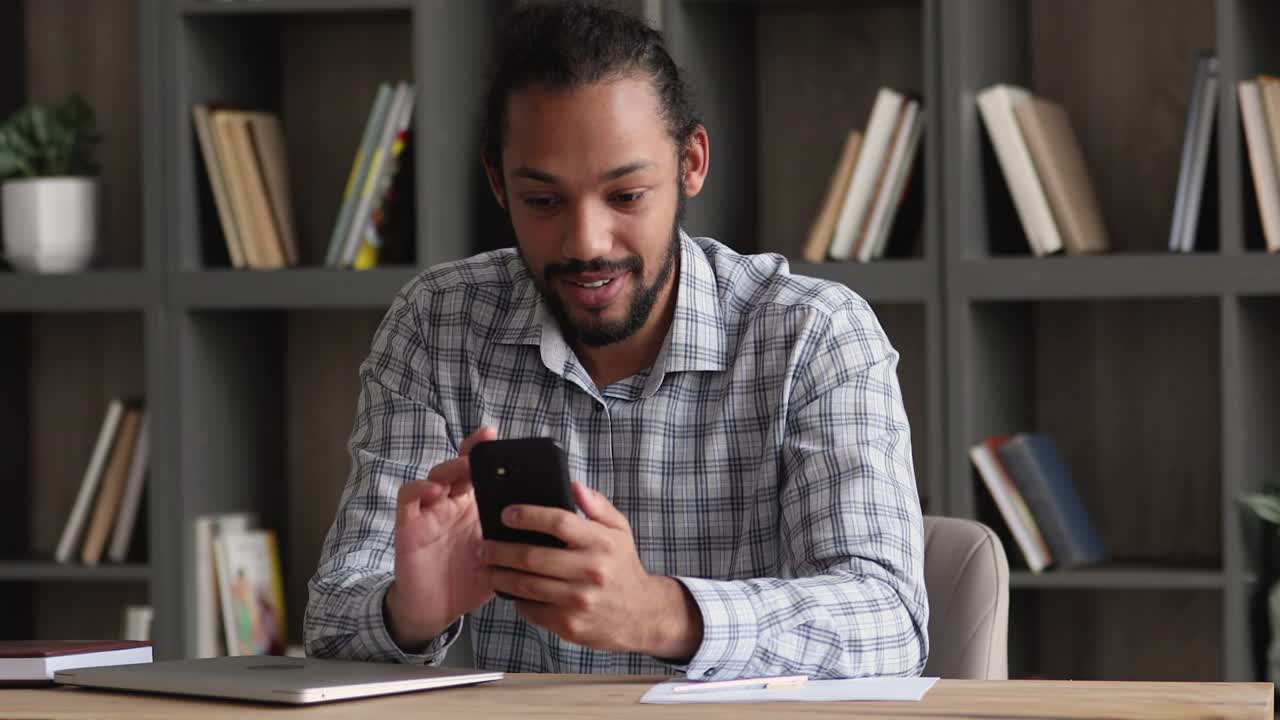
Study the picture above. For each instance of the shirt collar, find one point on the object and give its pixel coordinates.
(695, 342)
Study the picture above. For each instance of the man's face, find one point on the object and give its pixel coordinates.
(592, 186)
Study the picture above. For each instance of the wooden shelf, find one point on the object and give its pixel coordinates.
(99, 290)
(1095, 277)
(905, 280)
(56, 572)
(305, 288)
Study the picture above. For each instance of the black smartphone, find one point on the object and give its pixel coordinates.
(521, 471)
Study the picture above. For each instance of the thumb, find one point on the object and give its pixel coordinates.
(598, 508)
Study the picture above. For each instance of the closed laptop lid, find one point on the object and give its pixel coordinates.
(273, 679)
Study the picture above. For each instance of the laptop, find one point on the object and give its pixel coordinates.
(290, 680)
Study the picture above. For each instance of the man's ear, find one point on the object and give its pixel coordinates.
(697, 160)
(494, 175)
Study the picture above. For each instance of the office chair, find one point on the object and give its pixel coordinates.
(966, 575)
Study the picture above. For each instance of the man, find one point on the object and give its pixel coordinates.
(736, 433)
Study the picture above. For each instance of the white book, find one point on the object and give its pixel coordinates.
(1261, 160)
(89, 484)
(209, 637)
(899, 169)
(875, 145)
(1200, 158)
(137, 622)
(122, 531)
(996, 104)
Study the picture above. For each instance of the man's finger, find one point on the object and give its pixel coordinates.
(527, 586)
(484, 434)
(598, 508)
(550, 562)
(574, 530)
(412, 496)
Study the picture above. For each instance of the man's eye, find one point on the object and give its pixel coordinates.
(628, 197)
(541, 202)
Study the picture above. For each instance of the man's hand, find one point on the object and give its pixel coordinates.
(439, 576)
(595, 592)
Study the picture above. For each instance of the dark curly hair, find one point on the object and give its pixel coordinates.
(566, 45)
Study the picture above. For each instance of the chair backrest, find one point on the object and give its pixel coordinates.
(966, 575)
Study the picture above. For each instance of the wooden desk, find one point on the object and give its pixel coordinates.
(617, 698)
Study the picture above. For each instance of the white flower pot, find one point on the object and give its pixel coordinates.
(50, 224)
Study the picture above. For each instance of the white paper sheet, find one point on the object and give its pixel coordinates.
(886, 689)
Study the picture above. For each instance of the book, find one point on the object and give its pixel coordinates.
(996, 107)
(824, 225)
(899, 170)
(216, 174)
(33, 662)
(126, 518)
(251, 592)
(210, 640)
(266, 136)
(1038, 471)
(1197, 146)
(114, 478)
(866, 172)
(1262, 161)
(71, 532)
(1059, 163)
(397, 117)
(359, 168)
(1013, 508)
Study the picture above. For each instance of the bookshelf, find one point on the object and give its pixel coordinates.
(1154, 372)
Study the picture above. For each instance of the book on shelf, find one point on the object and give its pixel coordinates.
(356, 240)
(210, 639)
(34, 662)
(251, 592)
(106, 506)
(1194, 195)
(136, 625)
(1259, 100)
(246, 164)
(1043, 481)
(870, 209)
(1044, 170)
(1010, 503)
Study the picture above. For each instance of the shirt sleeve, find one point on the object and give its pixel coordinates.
(851, 524)
(397, 438)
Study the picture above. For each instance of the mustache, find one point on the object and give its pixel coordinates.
(599, 265)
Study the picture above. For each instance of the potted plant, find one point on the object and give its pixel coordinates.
(49, 187)
(1266, 505)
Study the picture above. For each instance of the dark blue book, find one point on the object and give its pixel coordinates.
(1042, 477)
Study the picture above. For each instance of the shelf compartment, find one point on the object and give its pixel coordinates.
(1129, 391)
(768, 74)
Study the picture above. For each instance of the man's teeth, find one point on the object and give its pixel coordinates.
(596, 284)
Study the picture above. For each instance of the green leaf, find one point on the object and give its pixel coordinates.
(1264, 505)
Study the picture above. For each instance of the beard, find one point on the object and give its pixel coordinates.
(596, 331)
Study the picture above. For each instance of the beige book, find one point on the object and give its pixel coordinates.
(1269, 87)
(113, 486)
(263, 225)
(1262, 161)
(269, 151)
(224, 136)
(995, 107)
(217, 181)
(1059, 161)
(824, 225)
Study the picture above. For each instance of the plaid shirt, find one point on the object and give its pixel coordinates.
(763, 461)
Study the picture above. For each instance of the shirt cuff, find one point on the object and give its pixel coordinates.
(381, 645)
(729, 629)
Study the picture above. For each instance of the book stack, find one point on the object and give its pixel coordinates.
(106, 506)
(1037, 499)
(1044, 169)
(359, 233)
(873, 206)
(239, 587)
(248, 171)
(1260, 115)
